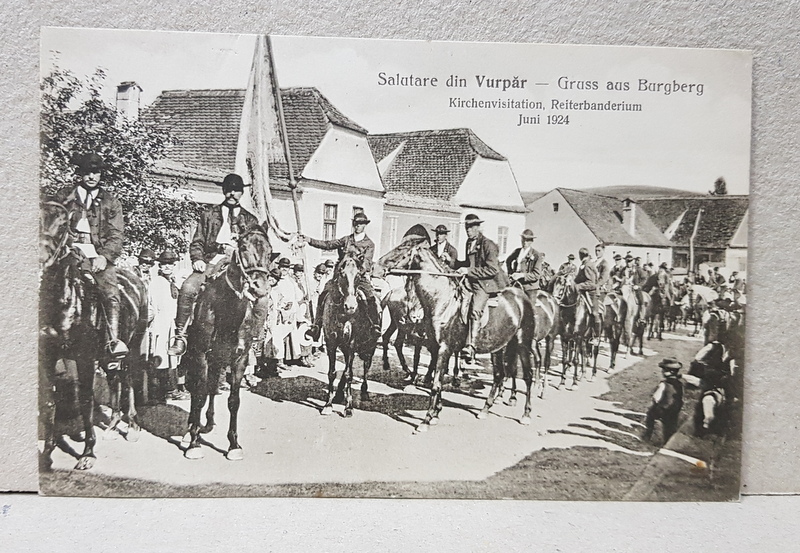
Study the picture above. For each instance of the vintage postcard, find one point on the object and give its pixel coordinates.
(320, 267)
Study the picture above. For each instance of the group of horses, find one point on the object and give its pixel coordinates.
(428, 308)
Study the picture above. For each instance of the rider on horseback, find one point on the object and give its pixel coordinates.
(586, 284)
(359, 246)
(603, 268)
(210, 250)
(97, 220)
(484, 277)
(525, 265)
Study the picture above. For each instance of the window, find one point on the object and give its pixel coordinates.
(502, 239)
(555, 207)
(330, 213)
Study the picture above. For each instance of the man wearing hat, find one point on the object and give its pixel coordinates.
(603, 268)
(620, 273)
(359, 246)
(443, 249)
(484, 276)
(524, 265)
(97, 220)
(664, 283)
(667, 401)
(212, 245)
(568, 267)
(586, 284)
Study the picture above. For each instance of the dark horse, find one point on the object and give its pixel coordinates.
(615, 313)
(73, 329)
(660, 302)
(221, 333)
(574, 326)
(507, 335)
(346, 327)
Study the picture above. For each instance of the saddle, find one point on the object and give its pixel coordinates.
(466, 301)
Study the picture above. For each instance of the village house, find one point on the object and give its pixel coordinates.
(436, 177)
(334, 169)
(565, 220)
(712, 229)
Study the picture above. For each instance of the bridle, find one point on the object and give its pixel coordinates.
(247, 281)
(560, 297)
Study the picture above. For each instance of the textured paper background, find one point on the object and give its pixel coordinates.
(772, 427)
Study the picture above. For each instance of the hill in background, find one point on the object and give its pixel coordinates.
(622, 192)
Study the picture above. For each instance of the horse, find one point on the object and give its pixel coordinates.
(405, 314)
(659, 306)
(507, 334)
(220, 335)
(615, 314)
(574, 326)
(73, 329)
(635, 318)
(712, 366)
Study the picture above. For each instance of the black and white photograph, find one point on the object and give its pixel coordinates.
(283, 266)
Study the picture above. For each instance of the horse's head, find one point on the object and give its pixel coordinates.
(347, 272)
(252, 259)
(564, 290)
(54, 233)
(403, 256)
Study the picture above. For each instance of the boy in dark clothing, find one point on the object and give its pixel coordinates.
(667, 401)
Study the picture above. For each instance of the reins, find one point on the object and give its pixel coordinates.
(247, 281)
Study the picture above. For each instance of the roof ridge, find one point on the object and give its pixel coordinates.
(591, 193)
(578, 213)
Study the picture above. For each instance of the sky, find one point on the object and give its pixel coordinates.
(680, 140)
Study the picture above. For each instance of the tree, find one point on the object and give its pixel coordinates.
(75, 120)
(720, 187)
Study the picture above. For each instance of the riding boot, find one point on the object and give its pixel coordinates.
(468, 353)
(374, 317)
(116, 347)
(314, 332)
(184, 311)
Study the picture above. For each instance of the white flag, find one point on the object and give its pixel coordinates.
(260, 142)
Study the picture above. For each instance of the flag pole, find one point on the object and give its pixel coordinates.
(292, 182)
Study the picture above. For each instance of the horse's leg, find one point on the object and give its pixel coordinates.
(434, 406)
(565, 356)
(511, 371)
(331, 350)
(385, 343)
(427, 382)
(498, 371)
(209, 426)
(456, 370)
(199, 397)
(417, 354)
(543, 372)
(237, 373)
(131, 413)
(86, 395)
(524, 356)
(367, 359)
(47, 403)
(347, 377)
(114, 380)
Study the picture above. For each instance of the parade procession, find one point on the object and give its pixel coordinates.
(225, 309)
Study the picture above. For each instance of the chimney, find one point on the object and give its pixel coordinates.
(629, 216)
(128, 96)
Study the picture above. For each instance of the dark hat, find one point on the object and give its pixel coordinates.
(629, 257)
(330, 263)
(527, 234)
(147, 255)
(663, 265)
(90, 163)
(273, 256)
(670, 364)
(441, 229)
(471, 220)
(275, 273)
(284, 262)
(571, 256)
(360, 219)
(298, 268)
(319, 269)
(617, 257)
(232, 182)
(168, 256)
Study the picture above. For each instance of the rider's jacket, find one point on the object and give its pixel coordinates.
(105, 220)
(530, 264)
(363, 250)
(204, 244)
(484, 266)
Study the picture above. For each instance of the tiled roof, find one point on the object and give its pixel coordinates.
(431, 164)
(719, 221)
(603, 216)
(206, 125)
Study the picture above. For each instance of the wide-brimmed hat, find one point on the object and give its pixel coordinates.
(233, 182)
(330, 263)
(670, 364)
(284, 262)
(629, 257)
(471, 220)
(168, 256)
(298, 267)
(275, 273)
(617, 257)
(663, 265)
(441, 229)
(571, 256)
(360, 219)
(527, 234)
(89, 163)
(147, 255)
(320, 269)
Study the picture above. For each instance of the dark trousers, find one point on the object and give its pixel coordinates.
(668, 418)
(109, 296)
(479, 299)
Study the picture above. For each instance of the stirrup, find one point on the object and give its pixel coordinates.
(178, 346)
(117, 349)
